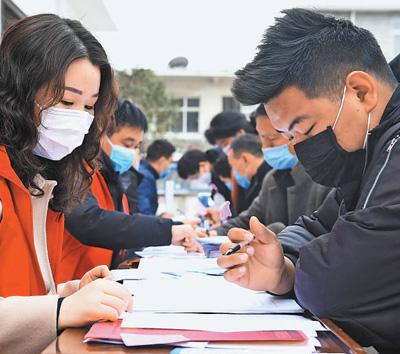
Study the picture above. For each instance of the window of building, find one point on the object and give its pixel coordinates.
(396, 34)
(188, 117)
(230, 104)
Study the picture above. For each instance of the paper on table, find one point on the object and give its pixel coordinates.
(135, 340)
(221, 322)
(204, 294)
(178, 266)
(213, 240)
(171, 251)
(132, 274)
(240, 351)
(294, 348)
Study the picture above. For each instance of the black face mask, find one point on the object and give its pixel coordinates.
(327, 162)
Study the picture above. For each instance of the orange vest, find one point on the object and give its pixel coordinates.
(78, 258)
(19, 268)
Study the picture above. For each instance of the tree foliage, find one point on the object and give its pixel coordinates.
(149, 93)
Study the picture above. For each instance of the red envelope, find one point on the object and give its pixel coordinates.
(113, 330)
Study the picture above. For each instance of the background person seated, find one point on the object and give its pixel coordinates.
(101, 226)
(249, 167)
(287, 191)
(224, 127)
(197, 165)
(156, 165)
(128, 131)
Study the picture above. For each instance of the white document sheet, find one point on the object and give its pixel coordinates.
(132, 274)
(213, 240)
(252, 350)
(180, 266)
(221, 322)
(171, 251)
(204, 294)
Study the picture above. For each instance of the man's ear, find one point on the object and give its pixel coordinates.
(365, 87)
(245, 156)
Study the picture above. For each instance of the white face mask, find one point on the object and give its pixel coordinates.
(61, 131)
(205, 178)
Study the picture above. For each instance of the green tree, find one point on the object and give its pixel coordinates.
(148, 92)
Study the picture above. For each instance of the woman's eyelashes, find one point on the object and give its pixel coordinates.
(69, 104)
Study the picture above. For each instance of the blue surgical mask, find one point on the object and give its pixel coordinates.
(171, 168)
(122, 158)
(229, 185)
(242, 181)
(280, 157)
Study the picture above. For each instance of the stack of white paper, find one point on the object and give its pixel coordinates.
(204, 294)
(221, 322)
(180, 266)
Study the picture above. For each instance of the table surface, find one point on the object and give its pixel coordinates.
(70, 342)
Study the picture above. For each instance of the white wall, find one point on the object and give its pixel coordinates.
(209, 89)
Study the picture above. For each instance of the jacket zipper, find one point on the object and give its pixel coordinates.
(389, 151)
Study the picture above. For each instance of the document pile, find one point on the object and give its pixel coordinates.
(185, 302)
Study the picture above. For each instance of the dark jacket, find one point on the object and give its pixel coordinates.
(221, 187)
(347, 253)
(130, 181)
(147, 190)
(256, 183)
(115, 230)
(246, 196)
(284, 197)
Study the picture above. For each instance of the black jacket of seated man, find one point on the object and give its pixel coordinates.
(130, 181)
(256, 183)
(115, 230)
(348, 251)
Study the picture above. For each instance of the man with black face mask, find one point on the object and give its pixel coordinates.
(327, 87)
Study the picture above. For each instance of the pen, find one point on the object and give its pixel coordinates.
(238, 246)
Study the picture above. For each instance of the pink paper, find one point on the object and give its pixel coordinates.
(136, 340)
(225, 211)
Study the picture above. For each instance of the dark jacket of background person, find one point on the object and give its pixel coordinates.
(347, 253)
(285, 196)
(147, 190)
(130, 181)
(213, 155)
(255, 185)
(115, 230)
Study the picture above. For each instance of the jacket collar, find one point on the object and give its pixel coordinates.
(150, 168)
(262, 170)
(390, 116)
(6, 170)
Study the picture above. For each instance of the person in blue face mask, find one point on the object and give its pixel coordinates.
(248, 165)
(287, 192)
(127, 135)
(156, 165)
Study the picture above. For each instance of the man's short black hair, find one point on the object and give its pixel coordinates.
(159, 148)
(260, 111)
(312, 52)
(227, 124)
(395, 66)
(247, 143)
(127, 114)
(188, 164)
(221, 167)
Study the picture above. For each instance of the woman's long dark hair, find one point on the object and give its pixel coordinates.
(35, 53)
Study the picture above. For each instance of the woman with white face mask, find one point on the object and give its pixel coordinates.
(56, 94)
